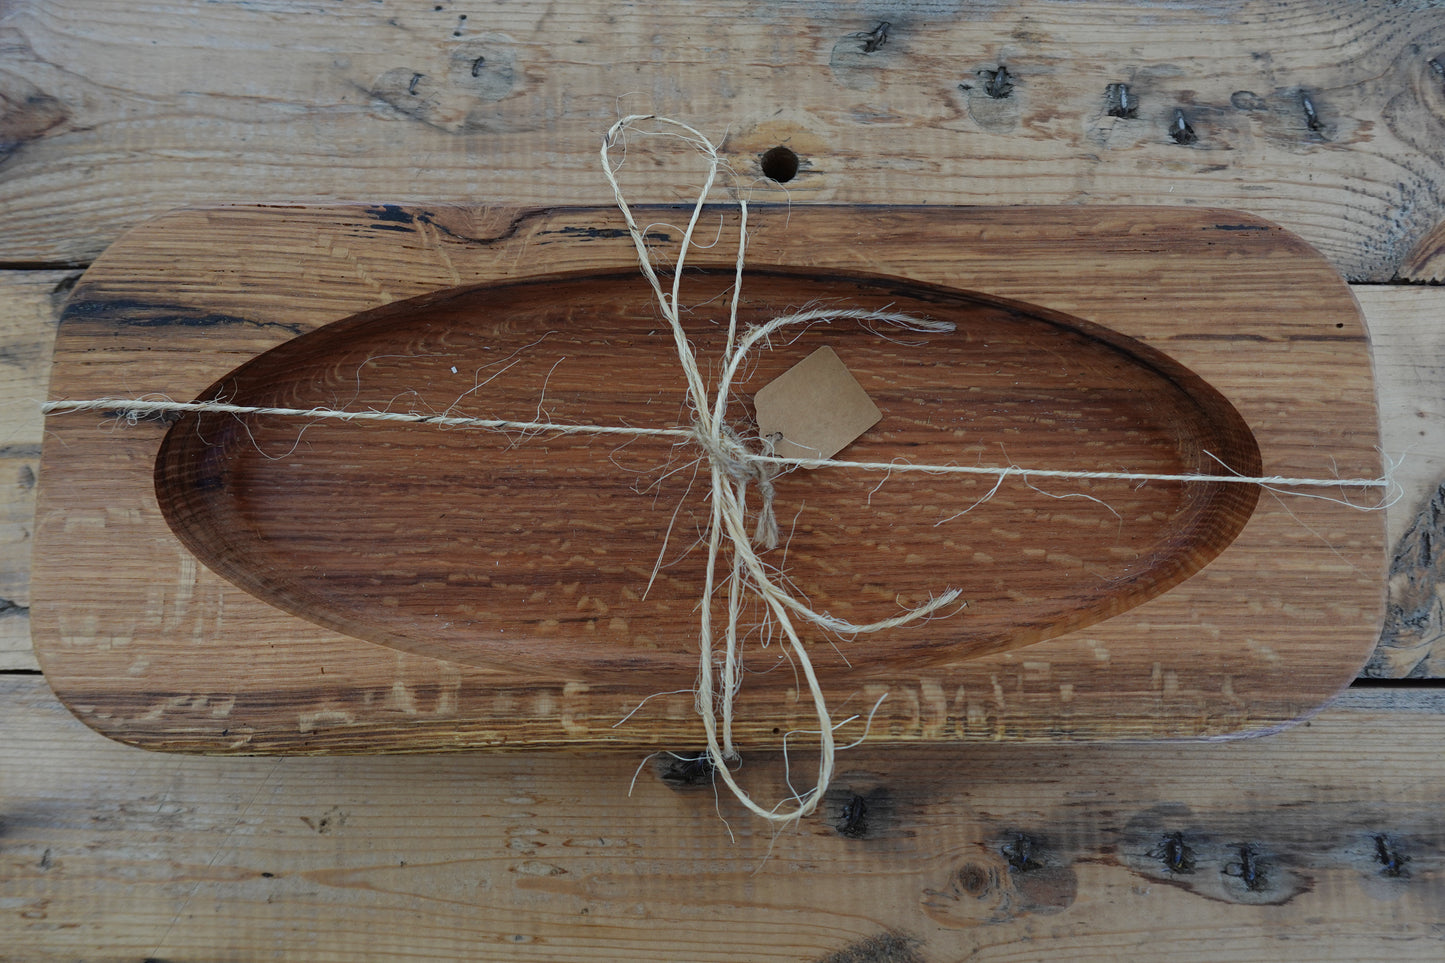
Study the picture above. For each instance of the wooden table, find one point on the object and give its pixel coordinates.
(1325, 842)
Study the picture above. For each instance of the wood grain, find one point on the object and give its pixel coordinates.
(29, 310)
(146, 643)
(1405, 345)
(1410, 369)
(111, 113)
(497, 550)
(111, 854)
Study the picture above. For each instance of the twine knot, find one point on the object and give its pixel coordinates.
(729, 453)
(733, 467)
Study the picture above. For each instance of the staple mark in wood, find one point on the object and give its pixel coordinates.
(1392, 861)
(1312, 118)
(1020, 852)
(874, 40)
(998, 83)
(1181, 131)
(1121, 101)
(1248, 867)
(853, 821)
(1176, 855)
(684, 771)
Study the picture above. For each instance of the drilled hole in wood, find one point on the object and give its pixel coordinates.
(780, 164)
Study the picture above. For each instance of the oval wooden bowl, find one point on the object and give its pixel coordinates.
(538, 553)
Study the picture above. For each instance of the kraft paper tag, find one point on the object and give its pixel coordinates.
(817, 407)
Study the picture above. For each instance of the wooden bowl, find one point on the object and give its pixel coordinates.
(263, 585)
(537, 553)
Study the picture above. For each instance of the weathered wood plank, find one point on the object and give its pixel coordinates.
(1322, 116)
(994, 852)
(29, 307)
(1407, 341)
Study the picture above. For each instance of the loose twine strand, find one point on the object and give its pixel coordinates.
(733, 467)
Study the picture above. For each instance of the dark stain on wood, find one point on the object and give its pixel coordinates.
(9, 607)
(1170, 844)
(573, 232)
(61, 292)
(408, 91)
(685, 771)
(328, 822)
(392, 217)
(27, 114)
(1014, 875)
(1247, 100)
(138, 313)
(883, 948)
(484, 68)
(860, 805)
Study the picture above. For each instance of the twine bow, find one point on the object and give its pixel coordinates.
(733, 467)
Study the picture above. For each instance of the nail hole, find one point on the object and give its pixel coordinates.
(780, 164)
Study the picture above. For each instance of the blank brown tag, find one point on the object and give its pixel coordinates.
(817, 407)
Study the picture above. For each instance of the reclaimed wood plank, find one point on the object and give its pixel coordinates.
(1323, 843)
(29, 310)
(1409, 353)
(1321, 116)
